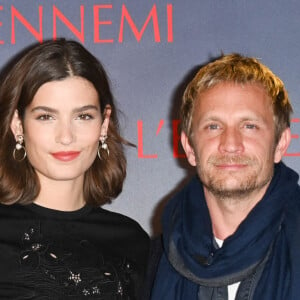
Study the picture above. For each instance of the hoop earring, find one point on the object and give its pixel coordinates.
(103, 146)
(19, 148)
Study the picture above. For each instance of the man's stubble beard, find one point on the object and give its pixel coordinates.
(216, 183)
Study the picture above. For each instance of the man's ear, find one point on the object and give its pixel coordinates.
(282, 145)
(16, 124)
(105, 123)
(188, 149)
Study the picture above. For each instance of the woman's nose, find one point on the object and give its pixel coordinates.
(64, 133)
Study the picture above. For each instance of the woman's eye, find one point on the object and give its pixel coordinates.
(45, 117)
(85, 117)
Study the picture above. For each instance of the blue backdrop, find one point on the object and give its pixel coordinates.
(150, 49)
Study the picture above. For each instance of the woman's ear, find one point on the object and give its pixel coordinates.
(105, 124)
(16, 124)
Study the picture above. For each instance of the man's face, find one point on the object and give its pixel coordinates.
(233, 140)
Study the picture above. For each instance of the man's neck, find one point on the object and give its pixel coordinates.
(227, 214)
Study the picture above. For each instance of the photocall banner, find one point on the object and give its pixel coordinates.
(150, 50)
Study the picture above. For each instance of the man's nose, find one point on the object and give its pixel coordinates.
(231, 141)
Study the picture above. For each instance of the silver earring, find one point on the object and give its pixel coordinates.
(103, 146)
(19, 149)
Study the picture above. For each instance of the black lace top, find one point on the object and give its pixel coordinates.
(86, 254)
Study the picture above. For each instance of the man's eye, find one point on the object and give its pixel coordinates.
(45, 117)
(213, 126)
(85, 117)
(250, 126)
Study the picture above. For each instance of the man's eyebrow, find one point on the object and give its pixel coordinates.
(210, 118)
(75, 110)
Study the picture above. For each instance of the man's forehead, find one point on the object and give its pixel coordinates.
(233, 98)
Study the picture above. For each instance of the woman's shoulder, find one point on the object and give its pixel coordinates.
(12, 209)
(118, 219)
(113, 215)
(155, 253)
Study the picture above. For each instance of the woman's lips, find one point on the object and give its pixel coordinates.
(65, 155)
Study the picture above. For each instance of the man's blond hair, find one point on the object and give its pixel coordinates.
(241, 70)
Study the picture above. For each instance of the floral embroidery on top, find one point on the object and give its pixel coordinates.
(80, 269)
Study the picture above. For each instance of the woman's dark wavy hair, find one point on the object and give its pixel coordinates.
(51, 61)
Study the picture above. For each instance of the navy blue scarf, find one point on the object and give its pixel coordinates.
(268, 237)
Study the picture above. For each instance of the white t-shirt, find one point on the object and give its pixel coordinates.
(232, 288)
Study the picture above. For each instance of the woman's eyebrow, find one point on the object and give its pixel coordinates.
(44, 108)
(75, 110)
(85, 107)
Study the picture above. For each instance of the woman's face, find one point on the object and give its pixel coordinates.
(62, 128)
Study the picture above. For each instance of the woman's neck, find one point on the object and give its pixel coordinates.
(61, 195)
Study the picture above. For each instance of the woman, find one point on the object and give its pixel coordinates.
(61, 157)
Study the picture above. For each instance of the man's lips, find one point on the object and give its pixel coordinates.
(65, 155)
(231, 166)
(237, 162)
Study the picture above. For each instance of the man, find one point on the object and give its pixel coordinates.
(233, 232)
